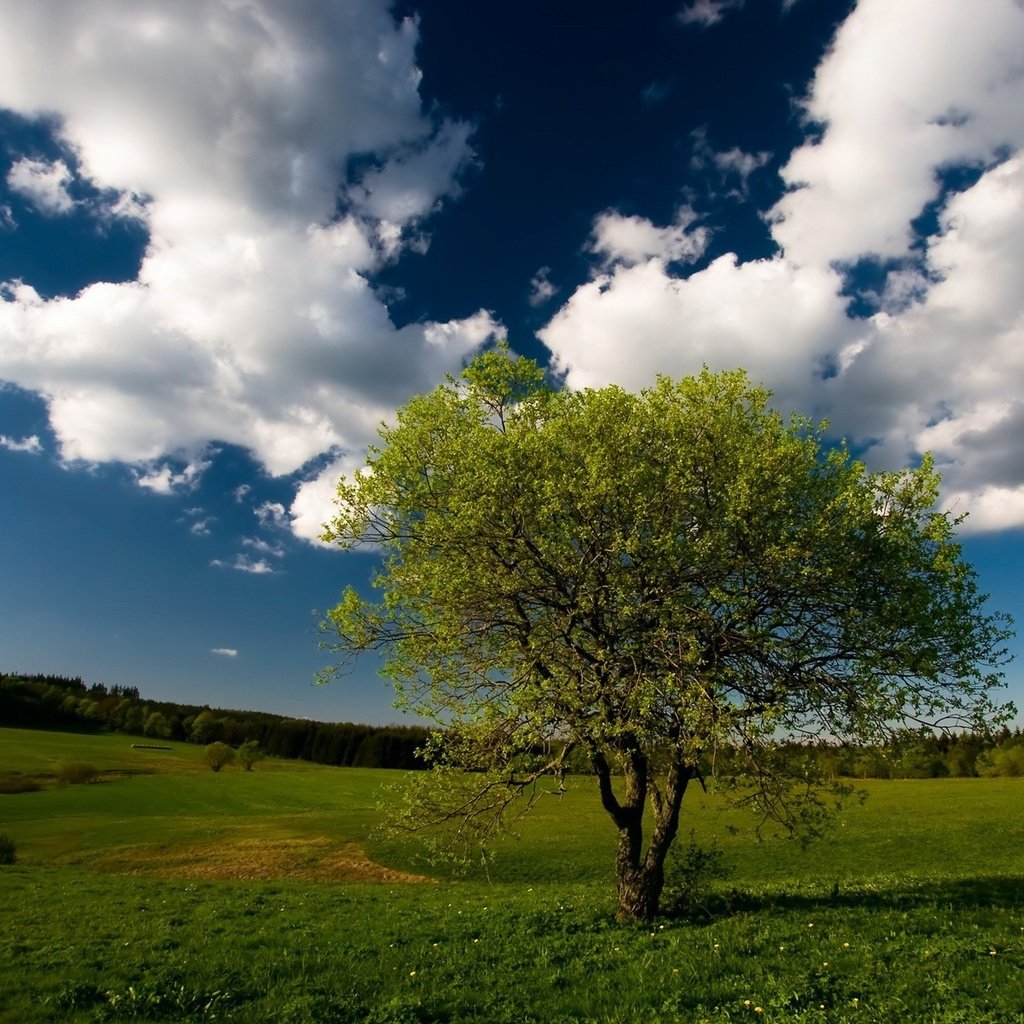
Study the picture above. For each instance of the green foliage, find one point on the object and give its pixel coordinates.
(71, 773)
(248, 754)
(59, 703)
(1002, 761)
(669, 582)
(692, 872)
(218, 754)
(8, 849)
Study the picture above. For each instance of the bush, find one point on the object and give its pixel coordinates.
(218, 754)
(1007, 762)
(249, 753)
(7, 849)
(18, 784)
(70, 773)
(690, 873)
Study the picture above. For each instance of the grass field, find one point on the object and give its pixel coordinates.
(169, 893)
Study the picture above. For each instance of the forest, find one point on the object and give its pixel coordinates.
(69, 704)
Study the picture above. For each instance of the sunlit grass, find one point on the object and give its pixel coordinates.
(186, 895)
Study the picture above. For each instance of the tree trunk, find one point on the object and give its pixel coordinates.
(639, 894)
(640, 875)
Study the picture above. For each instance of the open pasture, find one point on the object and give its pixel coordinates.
(167, 892)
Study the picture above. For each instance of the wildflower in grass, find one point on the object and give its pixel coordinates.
(758, 1009)
(412, 974)
(747, 1003)
(846, 945)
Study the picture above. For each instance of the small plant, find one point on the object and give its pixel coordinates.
(218, 754)
(8, 849)
(72, 773)
(690, 874)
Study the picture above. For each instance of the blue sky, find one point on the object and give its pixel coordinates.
(235, 237)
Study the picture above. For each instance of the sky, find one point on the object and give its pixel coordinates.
(236, 235)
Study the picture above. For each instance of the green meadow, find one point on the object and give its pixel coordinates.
(166, 892)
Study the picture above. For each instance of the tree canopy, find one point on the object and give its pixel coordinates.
(665, 583)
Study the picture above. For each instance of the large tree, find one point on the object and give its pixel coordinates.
(666, 583)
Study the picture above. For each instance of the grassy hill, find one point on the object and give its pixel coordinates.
(167, 892)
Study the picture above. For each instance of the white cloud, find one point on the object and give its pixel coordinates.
(227, 129)
(707, 12)
(742, 164)
(908, 91)
(227, 652)
(541, 288)
(201, 527)
(264, 547)
(30, 444)
(164, 480)
(42, 183)
(272, 514)
(314, 500)
(908, 88)
(621, 240)
(734, 166)
(243, 563)
(763, 315)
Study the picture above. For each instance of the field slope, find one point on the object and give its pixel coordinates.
(167, 892)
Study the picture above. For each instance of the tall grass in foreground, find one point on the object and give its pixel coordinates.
(912, 911)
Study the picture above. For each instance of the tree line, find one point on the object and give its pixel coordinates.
(69, 704)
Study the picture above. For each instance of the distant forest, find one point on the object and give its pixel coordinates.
(68, 704)
(60, 703)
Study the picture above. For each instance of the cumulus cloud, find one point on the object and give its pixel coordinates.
(909, 92)
(276, 153)
(30, 444)
(625, 241)
(227, 652)
(43, 183)
(271, 513)
(164, 480)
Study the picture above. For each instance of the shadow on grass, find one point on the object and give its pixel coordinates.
(999, 891)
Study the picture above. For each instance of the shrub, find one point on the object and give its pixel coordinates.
(690, 873)
(18, 784)
(1007, 762)
(70, 773)
(249, 753)
(218, 754)
(8, 849)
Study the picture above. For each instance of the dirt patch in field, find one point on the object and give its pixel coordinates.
(315, 860)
